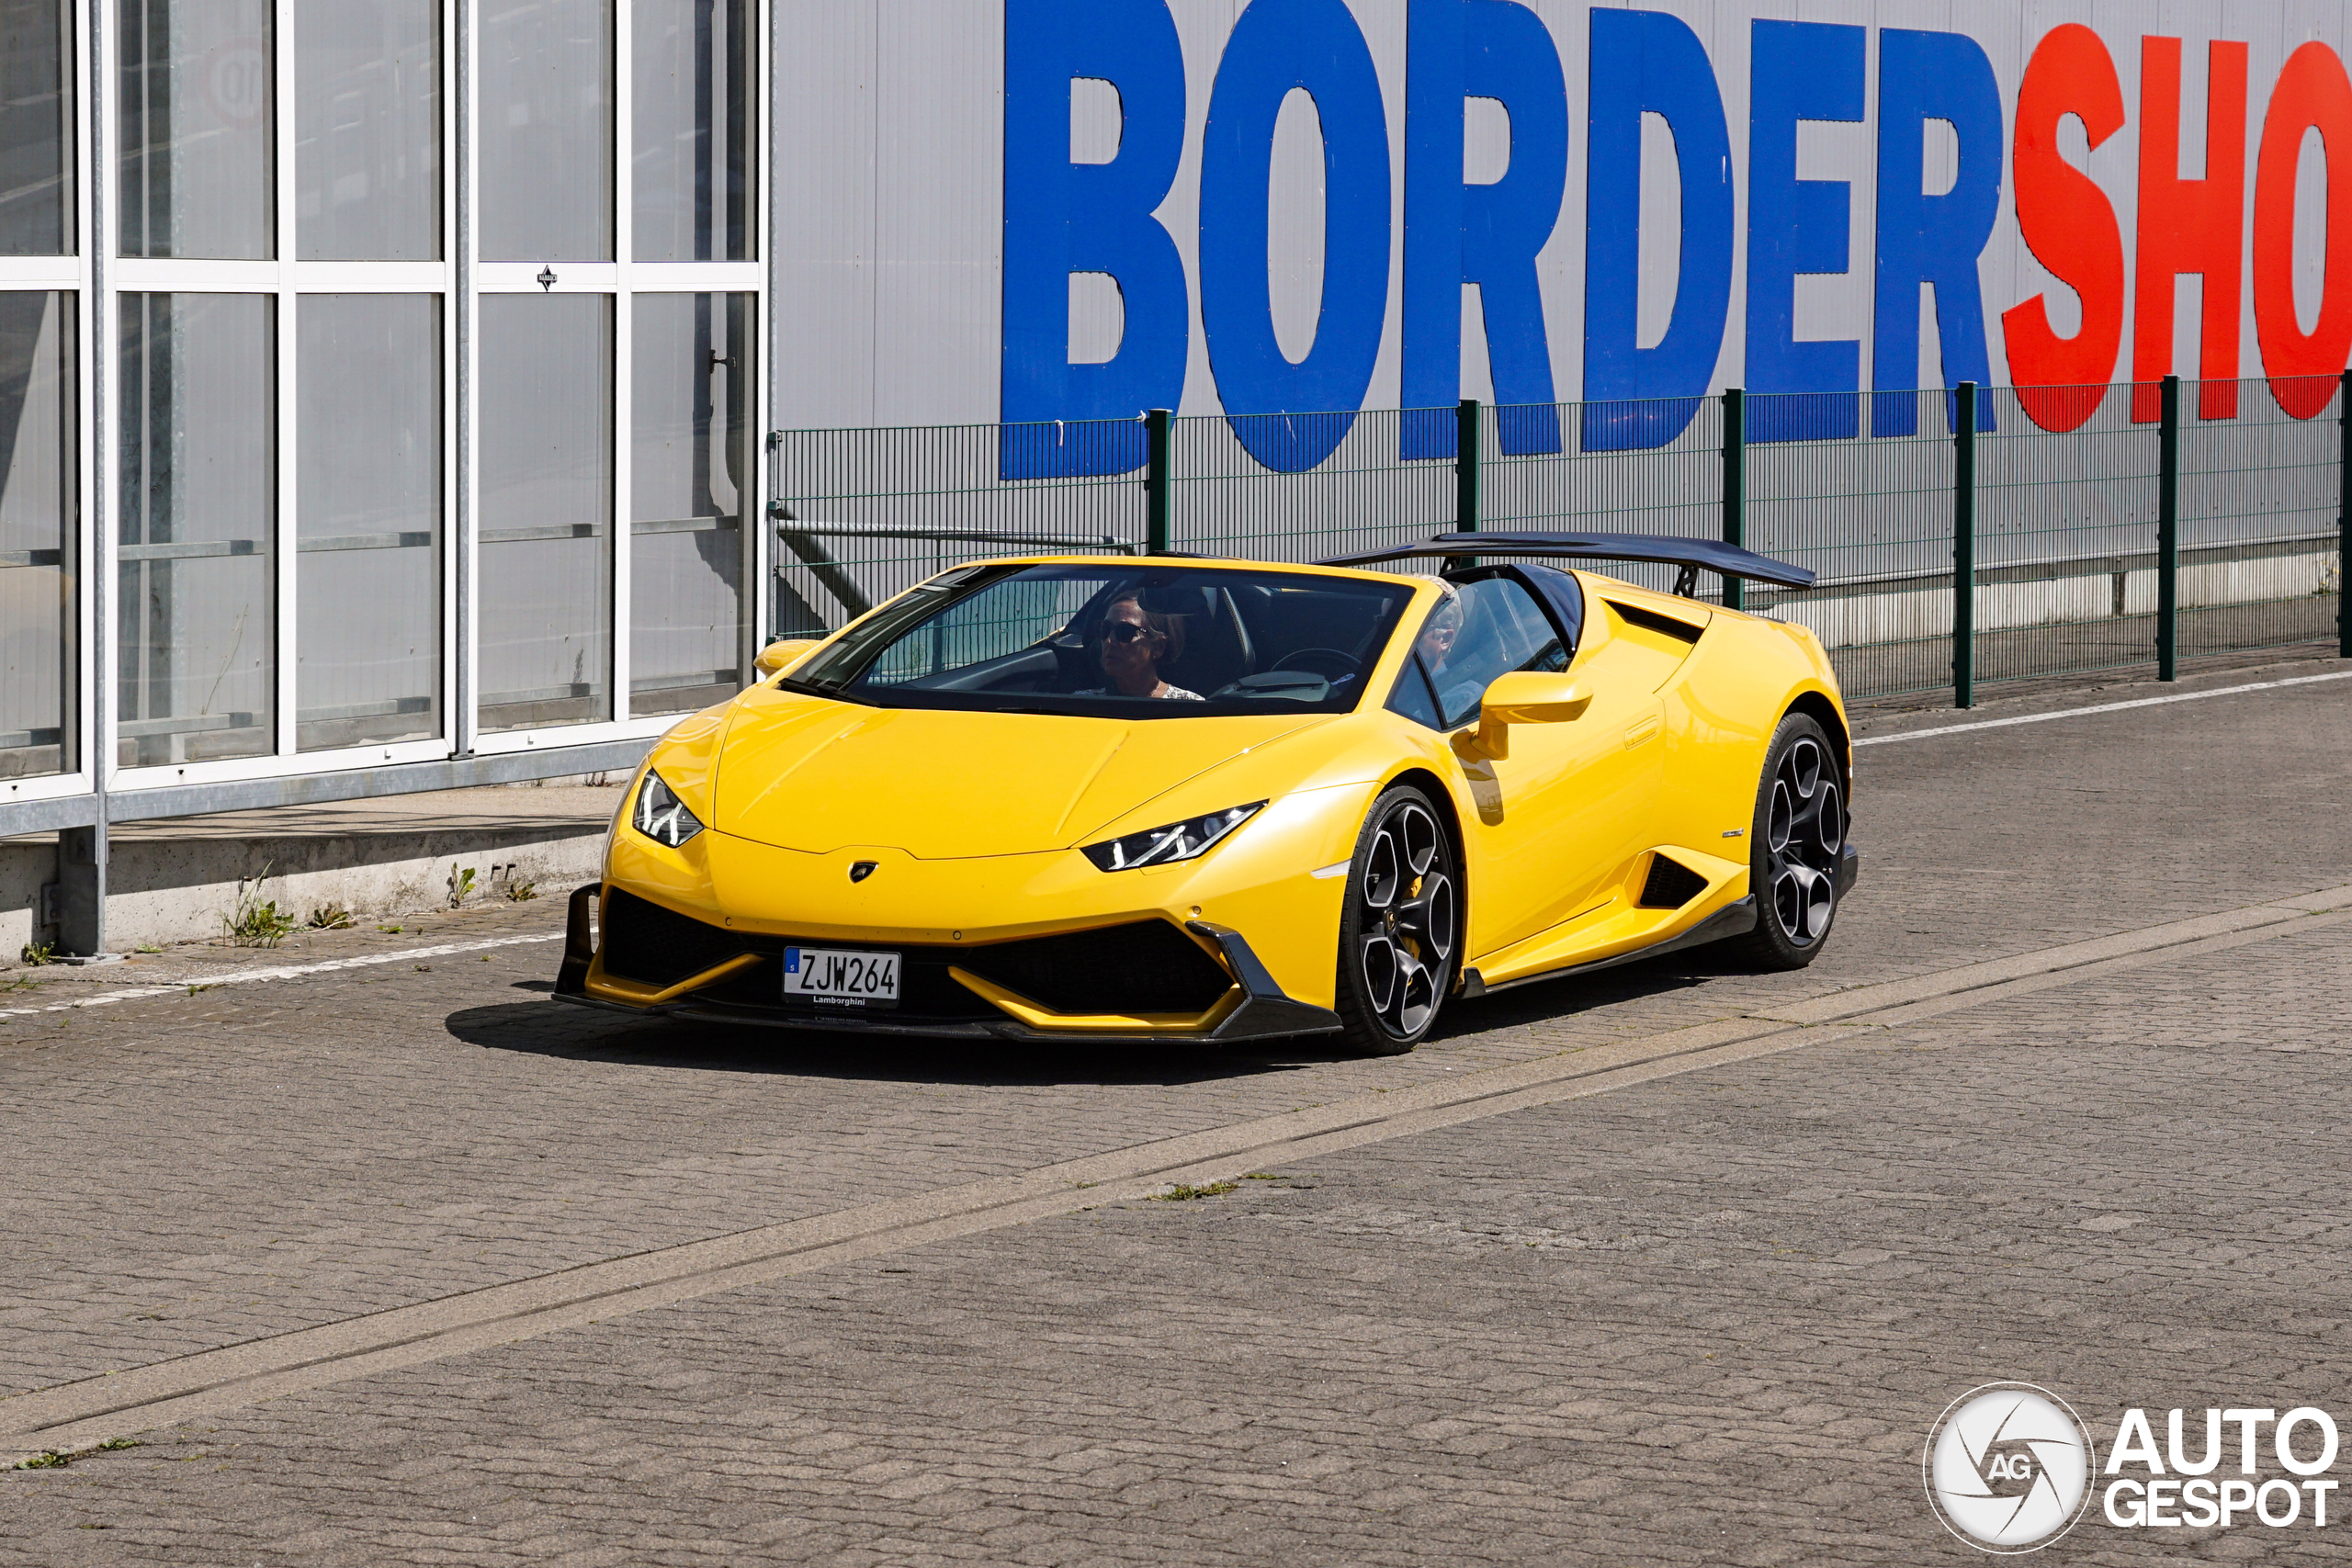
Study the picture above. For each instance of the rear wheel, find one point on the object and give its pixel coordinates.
(1794, 843)
(1401, 926)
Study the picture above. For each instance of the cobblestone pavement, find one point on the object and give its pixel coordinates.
(1705, 1319)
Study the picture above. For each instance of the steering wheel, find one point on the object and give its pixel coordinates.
(1329, 662)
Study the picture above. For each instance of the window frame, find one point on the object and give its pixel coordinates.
(76, 276)
(98, 278)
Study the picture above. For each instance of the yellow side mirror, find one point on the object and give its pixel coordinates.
(778, 657)
(1523, 696)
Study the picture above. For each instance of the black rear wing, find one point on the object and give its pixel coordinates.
(1691, 555)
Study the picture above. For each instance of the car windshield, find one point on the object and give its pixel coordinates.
(1119, 639)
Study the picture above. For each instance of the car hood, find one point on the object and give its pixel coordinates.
(807, 774)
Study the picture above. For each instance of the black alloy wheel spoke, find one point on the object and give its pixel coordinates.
(1804, 833)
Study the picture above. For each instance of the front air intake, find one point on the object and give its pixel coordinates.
(1671, 885)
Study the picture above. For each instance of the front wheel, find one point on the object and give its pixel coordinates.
(1797, 836)
(1401, 926)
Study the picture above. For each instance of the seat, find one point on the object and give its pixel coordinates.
(1218, 649)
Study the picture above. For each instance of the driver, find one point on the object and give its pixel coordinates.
(1134, 642)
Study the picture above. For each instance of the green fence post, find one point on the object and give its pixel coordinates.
(1467, 450)
(2168, 532)
(1157, 487)
(1963, 546)
(2343, 523)
(1735, 487)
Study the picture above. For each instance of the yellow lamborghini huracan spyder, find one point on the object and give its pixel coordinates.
(1215, 800)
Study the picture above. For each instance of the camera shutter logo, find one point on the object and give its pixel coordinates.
(2008, 1467)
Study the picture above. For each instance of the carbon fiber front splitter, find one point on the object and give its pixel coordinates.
(1266, 1012)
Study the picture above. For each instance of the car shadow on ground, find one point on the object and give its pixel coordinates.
(1572, 994)
(537, 1026)
(540, 1027)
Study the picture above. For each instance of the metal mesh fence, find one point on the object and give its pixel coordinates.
(1674, 488)
(1859, 488)
(2065, 532)
(2259, 526)
(1872, 518)
(1355, 492)
(1567, 468)
(863, 514)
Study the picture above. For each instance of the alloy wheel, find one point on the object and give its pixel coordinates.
(1406, 920)
(1806, 829)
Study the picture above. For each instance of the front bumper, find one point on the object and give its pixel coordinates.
(735, 989)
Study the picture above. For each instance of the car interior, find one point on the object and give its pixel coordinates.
(1248, 641)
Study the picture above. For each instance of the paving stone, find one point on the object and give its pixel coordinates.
(1706, 1319)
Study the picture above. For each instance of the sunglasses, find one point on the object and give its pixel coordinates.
(1124, 631)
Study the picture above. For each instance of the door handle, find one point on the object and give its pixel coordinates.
(1643, 731)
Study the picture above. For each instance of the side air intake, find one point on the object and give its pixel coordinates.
(1671, 885)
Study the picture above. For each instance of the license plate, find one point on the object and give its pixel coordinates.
(841, 977)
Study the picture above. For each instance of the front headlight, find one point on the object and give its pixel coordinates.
(660, 815)
(1178, 840)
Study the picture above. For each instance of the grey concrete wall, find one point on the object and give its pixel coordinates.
(180, 881)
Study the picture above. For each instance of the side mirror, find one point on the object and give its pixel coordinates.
(1523, 696)
(778, 657)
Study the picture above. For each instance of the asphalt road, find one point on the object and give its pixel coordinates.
(1704, 1315)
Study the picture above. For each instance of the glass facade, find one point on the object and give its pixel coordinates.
(547, 130)
(40, 526)
(197, 520)
(342, 504)
(36, 128)
(690, 166)
(367, 510)
(547, 510)
(197, 165)
(368, 129)
(690, 444)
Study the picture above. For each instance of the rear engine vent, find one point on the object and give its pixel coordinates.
(1650, 620)
(1671, 885)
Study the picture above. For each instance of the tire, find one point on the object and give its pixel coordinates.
(1400, 932)
(1794, 843)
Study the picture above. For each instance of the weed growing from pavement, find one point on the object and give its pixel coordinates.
(39, 953)
(21, 983)
(258, 922)
(461, 883)
(389, 930)
(329, 917)
(54, 1459)
(1181, 1194)
(522, 892)
(149, 947)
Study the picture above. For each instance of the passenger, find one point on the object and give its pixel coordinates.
(1134, 642)
(1457, 691)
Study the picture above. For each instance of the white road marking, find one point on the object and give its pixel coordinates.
(281, 972)
(2102, 707)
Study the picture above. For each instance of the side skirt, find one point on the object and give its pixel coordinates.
(1733, 919)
